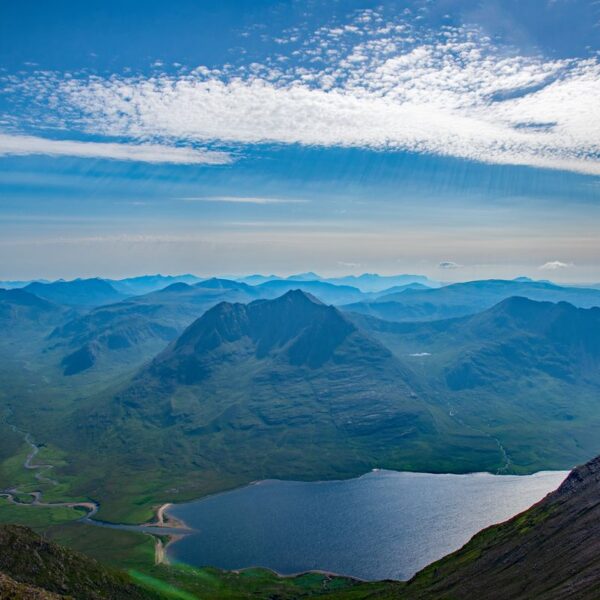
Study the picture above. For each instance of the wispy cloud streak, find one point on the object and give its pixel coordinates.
(150, 153)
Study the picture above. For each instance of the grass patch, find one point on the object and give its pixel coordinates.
(37, 517)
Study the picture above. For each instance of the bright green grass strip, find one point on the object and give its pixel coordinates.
(37, 516)
(159, 586)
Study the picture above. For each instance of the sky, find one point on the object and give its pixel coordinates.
(459, 139)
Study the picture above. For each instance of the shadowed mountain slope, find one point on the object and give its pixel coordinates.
(283, 360)
(133, 330)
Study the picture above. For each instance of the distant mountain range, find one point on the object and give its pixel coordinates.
(145, 284)
(367, 282)
(517, 336)
(461, 299)
(132, 331)
(89, 324)
(18, 307)
(136, 328)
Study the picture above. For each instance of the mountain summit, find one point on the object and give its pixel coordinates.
(296, 324)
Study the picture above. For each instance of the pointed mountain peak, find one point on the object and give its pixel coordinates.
(298, 297)
(295, 328)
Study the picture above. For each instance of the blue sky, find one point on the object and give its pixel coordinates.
(459, 139)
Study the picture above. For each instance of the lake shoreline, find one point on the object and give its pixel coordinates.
(214, 547)
(163, 519)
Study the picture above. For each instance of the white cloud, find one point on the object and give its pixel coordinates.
(244, 200)
(555, 265)
(449, 264)
(152, 153)
(365, 84)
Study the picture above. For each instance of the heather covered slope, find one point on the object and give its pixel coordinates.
(13, 590)
(32, 567)
(551, 551)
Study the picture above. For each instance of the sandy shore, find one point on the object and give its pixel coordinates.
(164, 520)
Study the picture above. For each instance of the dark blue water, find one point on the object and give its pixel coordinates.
(382, 525)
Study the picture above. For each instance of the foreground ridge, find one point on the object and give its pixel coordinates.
(32, 567)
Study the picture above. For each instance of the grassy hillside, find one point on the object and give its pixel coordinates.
(522, 372)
